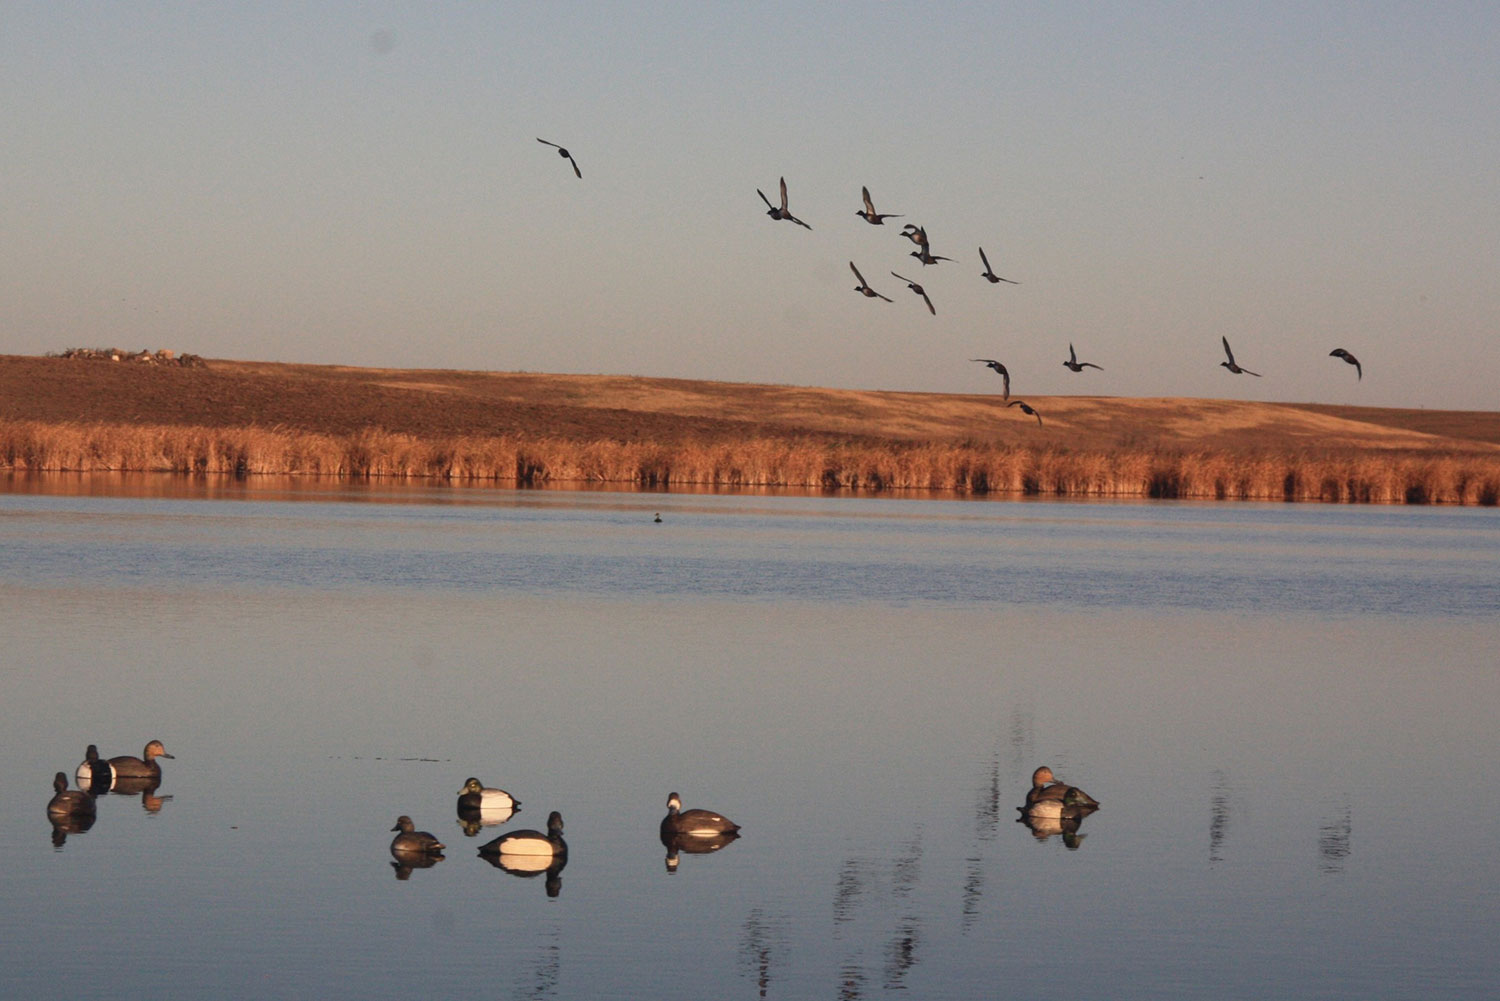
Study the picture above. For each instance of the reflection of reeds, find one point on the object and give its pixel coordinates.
(964, 467)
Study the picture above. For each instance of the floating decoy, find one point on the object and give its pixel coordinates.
(1230, 364)
(1076, 365)
(144, 767)
(527, 842)
(999, 370)
(916, 234)
(989, 272)
(1026, 408)
(67, 802)
(1073, 803)
(927, 257)
(1359, 373)
(1044, 786)
(94, 772)
(783, 212)
(872, 217)
(863, 288)
(694, 823)
(657, 519)
(919, 291)
(474, 796)
(414, 841)
(565, 155)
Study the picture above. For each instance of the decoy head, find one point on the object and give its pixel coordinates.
(155, 750)
(1041, 777)
(674, 801)
(404, 824)
(554, 823)
(472, 785)
(60, 783)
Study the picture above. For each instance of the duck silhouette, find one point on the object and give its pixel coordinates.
(919, 290)
(869, 214)
(999, 370)
(783, 212)
(1231, 365)
(1026, 408)
(565, 155)
(1359, 373)
(1078, 366)
(989, 272)
(863, 288)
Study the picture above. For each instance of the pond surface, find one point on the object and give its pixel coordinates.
(1287, 712)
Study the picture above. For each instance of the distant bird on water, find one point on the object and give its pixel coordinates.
(872, 217)
(565, 155)
(863, 288)
(1359, 373)
(989, 272)
(1230, 364)
(783, 212)
(1078, 366)
(919, 290)
(1000, 370)
(1026, 408)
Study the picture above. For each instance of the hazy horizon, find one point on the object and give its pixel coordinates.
(361, 184)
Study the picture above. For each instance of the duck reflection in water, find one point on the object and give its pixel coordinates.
(693, 844)
(528, 853)
(1053, 807)
(144, 786)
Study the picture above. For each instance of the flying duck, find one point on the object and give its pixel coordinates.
(926, 256)
(989, 272)
(1230, 364)
(1078, 366)
(999, 370)
(1359, 373)
(872, 217)
(863, 288)
(916, 234)
(783, 212)
(1026, 408)
(919, 291)
(565, 155)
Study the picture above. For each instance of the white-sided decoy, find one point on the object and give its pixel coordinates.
(1078, 366)
(1000, 370)
(475, 796)
(863, 288)
(1230, 364)
(1359, 373)
(989, 272)
(783, 212)
(565, 155)
(919, 291)
(528, 842)
(694, 823)
(95, 772)
(869, 214)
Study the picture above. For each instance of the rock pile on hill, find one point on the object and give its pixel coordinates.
(159, 357)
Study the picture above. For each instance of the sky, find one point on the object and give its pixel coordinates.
(360, 184)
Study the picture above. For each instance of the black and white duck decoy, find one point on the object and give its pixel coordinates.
(529, 842)
(94, 773)
(694, 823)
(476, 796)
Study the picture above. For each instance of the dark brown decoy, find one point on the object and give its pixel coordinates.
(1359, 373)
(919, 291)
(989, 272)
(1230, 364)
(872, 217)
(67, 802)
(1044, 786)
(1026, 408)
(1000, 370)
(783, 212)
(1078, 366)
(565, 155)
(414, 841)
(696, 823)
(863, 288)
(144, 767)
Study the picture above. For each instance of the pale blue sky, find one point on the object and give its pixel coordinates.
(361, 183)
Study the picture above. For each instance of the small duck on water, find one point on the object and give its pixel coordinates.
(474, 796)
(411, 840)
(145, 767)
(67, 802)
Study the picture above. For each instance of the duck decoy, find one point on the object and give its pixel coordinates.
(412, 841)
(528, 842)
(872, 217)
(94, 773)
(919, 290)
(474, 796)
(1000, 370)
(1078, 366)
(694, 823)
(145, 767)
(1045, 786)
(1230, 364)
(657, 519)
(1026, 408)
(1359, 373)
(67, 802)
(927, 257)
(916, 234)
(863, 288)
(565, 155)
(783, 212)
(989, 272)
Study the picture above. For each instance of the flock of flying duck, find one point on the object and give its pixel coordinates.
(918, 236)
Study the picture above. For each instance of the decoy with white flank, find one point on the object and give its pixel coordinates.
(411, 840)
(863, 288)
(919, 291)
(474, 796)
(528, 842)
(565, 155)
(869, 214)
(1230, 364)
(67, 802)
(694, 823)
(1078, 366)
(1000, 370)
(783, 212)
(1359, 373)
(145, 767)
(1026, 408)
(94, 772)
(989, 272)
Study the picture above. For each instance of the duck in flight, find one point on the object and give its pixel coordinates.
(565, 155)
(989, 272)
(1000, 370)
(783, 212)
(916, 234)
(1078, 366)
(872, 217)
(919, 290)
(927, 257)
(1230, 364)
(1359, 373)
(1026, 408)
(863, 288)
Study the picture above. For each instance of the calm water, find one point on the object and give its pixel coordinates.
(1288, 713)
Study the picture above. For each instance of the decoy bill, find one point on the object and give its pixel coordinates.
(1230, 364)
(1359, 373)
(989, 272)
(1026, 408)
(1000, 370)
(783, 212)
(863, 288)
(1078, 366)
(919, 291)
(869, 214)
(565, 155)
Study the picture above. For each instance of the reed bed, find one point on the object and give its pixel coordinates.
(963, 467)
